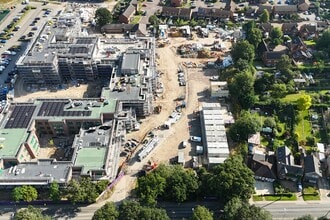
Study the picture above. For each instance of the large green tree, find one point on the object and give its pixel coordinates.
(236, 209)
(242, 90)
(232, 179)
(264, 17)
(264, 83)
(244, 126)
(243, 50)
(284, 63)
(276, 35)
(106, 212)
(278, 90)
(54, 191)
(254, 37)
(132, 210)
(25, 193)
(202, 213)
(323, 42)
(30, 213)
(102, 16)
(83, 190)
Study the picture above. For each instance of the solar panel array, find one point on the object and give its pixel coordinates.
(79, 50)
(84, 41)
(50, 109)
(20, 116)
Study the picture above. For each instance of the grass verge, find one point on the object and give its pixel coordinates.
(284, 197)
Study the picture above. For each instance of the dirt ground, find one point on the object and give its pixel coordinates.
(170, 140)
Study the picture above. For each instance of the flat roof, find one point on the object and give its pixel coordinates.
(91, 158)
(11, 140)
(130, 61)
(40, 172)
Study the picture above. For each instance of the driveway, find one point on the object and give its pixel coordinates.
(263, 188)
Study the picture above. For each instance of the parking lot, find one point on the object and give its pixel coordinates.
(27, 24)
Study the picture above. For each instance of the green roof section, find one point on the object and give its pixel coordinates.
(10, 141)
(91, 158)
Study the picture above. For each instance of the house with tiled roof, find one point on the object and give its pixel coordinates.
(290, 28)
(286, 168)
(271, 58)
(285, 9)
(303, 5)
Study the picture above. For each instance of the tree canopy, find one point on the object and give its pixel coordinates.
(30, 213)
(154, 20)
(54, 191)
(242, 90)
(304, 102)
(244, 126)
(244, 50)
(102, 17)
(83, 190)
(323, 42)
(236, 209)
(276, 35)
(284, 63)
(106, 212)
(25, 193)
(264, 17)
(202, 213)
(232, 179)
(173, 183)
(254, 37)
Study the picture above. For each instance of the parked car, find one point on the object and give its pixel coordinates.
(195, 139)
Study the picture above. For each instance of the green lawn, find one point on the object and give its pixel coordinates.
(310, 193)
(304, 127)
(291, 97)
(290, 197)
(257, 198)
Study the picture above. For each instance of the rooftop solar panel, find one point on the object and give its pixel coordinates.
(79, 50)
(57, 109)
(20, 116)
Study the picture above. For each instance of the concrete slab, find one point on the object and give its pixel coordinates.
(263, 188)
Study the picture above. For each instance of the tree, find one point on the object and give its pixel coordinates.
(235, 209)
(242, 91)
(279, 90)
(25, 193)
(304, 102)
(264, 83)
(232, 179)
(242, 65)
(132, 210)
(54, 191)
(305, 217)
(153, 20)
(30, 213)
(83, 191)
(244, 50)
(73, 192)
(150, 187)
(264, 17)
(323, 42)
(269, 122)
(244, 126)
(106, 212)
(202, 213)
(284, 63)
(254, 37)
(102, 17)
(276, 35)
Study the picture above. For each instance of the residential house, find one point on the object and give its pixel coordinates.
(262, 167)
(290, 29)
(308, 31)
(139, 30)
(312, 169)
(262, 47)
(266, 27)
(213, 13)
(183, 13)
(250, 12)
(271, 58)
(127, 14)
(261, 9)
(303, 5)
(298, 49)
(286, 169)
(285, 9)
(322, 25)
(176, 3)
